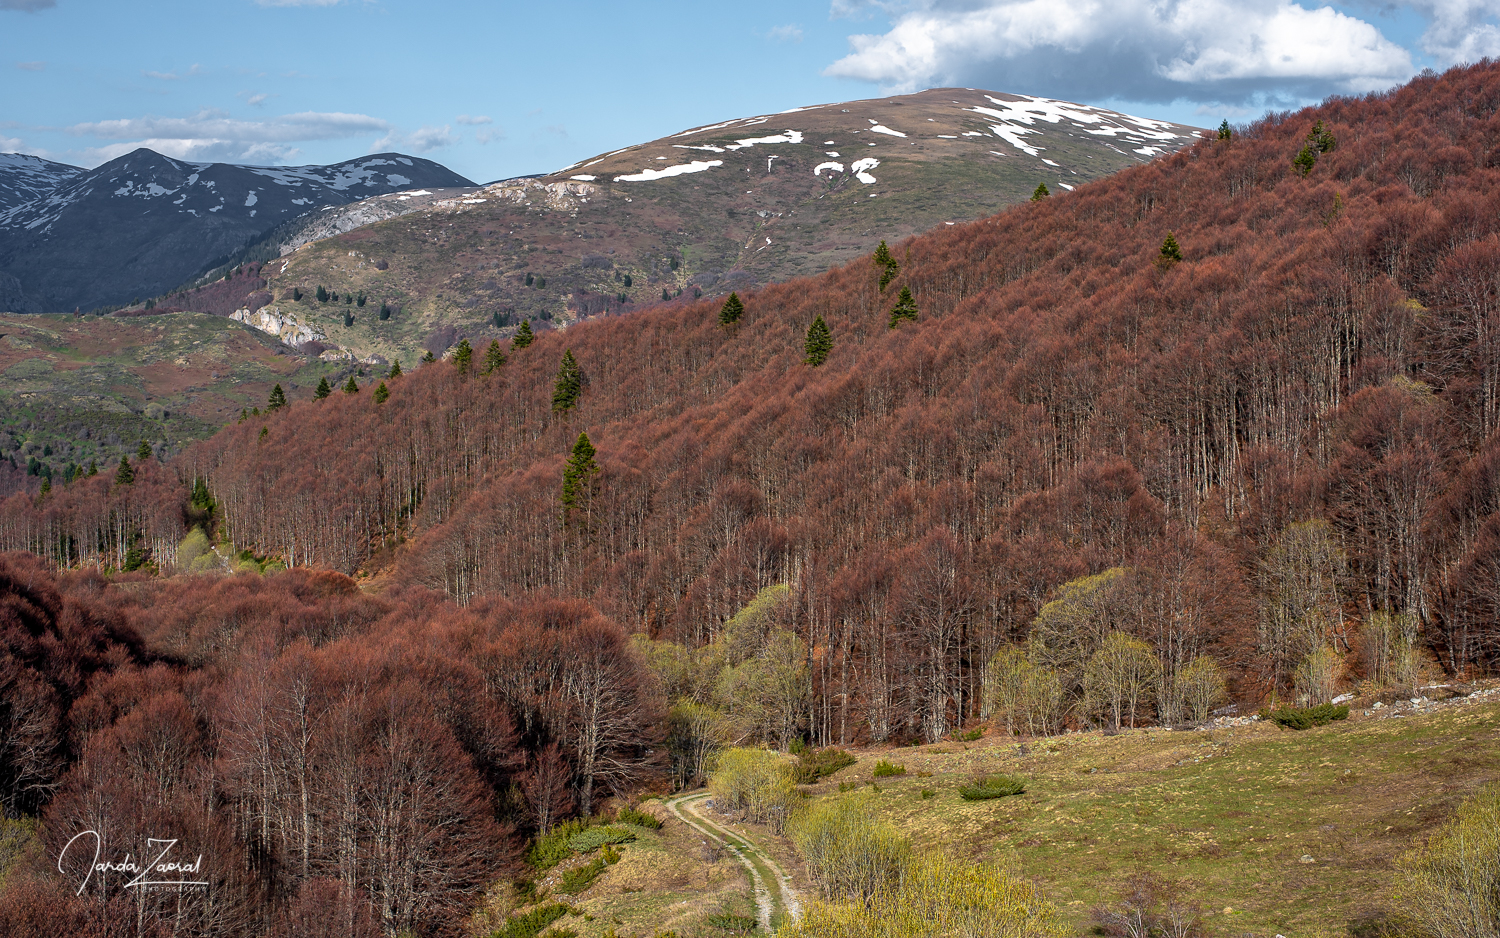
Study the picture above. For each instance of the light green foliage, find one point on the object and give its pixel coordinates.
(1120, 677)
(1389, 648)
(1069, 629)
(591, 839)
(937, 895)
(1029, 697)
(554, 847)
(1317, 676)
(1201, 687)
(758, 782)
(637, 818)
(1301, 599)
(1450, 886)
(529, 924)
(195, 554)
(849, 855)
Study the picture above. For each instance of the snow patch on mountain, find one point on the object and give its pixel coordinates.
(861, 169)
(646, 175)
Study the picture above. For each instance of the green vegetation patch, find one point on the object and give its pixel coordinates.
(1305, 718)
(530, 924)
(814, 765)
(887, 769)
(992, 786)
(595, 837)
(638, 818)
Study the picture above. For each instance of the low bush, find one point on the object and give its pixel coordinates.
(928, 793)
(638, 818)
(552, 847)
(992, 786)
(849, 854)
(761, 783)
(970, 736)
(580, 878)
(595, 837)
(530, 924)
(885, 769)
(816, 764)
(732, 924)
(1305, 718)
(1449, 887)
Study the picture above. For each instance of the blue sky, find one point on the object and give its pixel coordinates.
(501, 89)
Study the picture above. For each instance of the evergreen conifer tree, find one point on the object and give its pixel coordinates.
(1224, 132)
(277, 399)
(819, 342)
(665, 296)
(905, 308)
(524, 336)
(463, 357)
(428, 358)
(381, 393)
(322, 294)
(93, 467)
(46, 488)
(124, 475)
(396, 368)
(731, 311)
(351, 387)
(360, 302)
(143, 451)
(1041, 192)
(385, 312)
(578, 476)
(887, 264)
(323, 389)
(530, 279)
(494, 359)
(1170, 251)
(568, 387)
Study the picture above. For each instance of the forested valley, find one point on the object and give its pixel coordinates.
(1217, 430)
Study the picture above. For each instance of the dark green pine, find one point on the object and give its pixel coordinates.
(905, 308)
(568, 387)
(819, 342)
(731, 311)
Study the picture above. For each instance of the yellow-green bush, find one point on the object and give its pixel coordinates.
(761, 783)
(1450, 886)
(936, 896)
(849, 854)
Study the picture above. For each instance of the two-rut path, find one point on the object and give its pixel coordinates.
(774, 895)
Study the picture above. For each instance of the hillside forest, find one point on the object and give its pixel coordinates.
(1218, 430)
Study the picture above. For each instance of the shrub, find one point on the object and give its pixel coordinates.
(580, 878)
(1305, 718)
(1450, 886)
(849, 855)
(595, 837)
(552, 848)
(530, 924)
(928, 793)
(758, 782)
(731, 923)
(886, 769)
(816, 764)
(992, 786)
(970, 736)
(638, 818)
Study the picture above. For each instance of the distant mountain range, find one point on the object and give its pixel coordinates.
(726, 206)
(143, 224)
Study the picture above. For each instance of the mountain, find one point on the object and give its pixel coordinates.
(725, 206)
(26, 178)
(143, 224)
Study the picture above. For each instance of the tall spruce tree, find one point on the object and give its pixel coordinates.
(124, 475)
(324, 389)
(351, 387)
(568, 387)
(579, 475)
(524, 336)
(1170, 250)
(396, 368)
(428, 358)
(463, 357)
(887, 264)
(277, 400)
(494, 359)
(1224, 132)
(905, 308)
(382, 393)
(819, 342)
(731, 311)
(1041, 192)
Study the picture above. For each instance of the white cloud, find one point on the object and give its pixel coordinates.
(28, 6)
(10, 145)
(1458, 30)
(212, 135)
(476, 121)
(173, 76)
(32, 66)
(255, 100)
(422, 140)
(788, 33)
(1224, 51)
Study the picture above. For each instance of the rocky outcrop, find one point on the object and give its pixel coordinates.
(284, 326)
